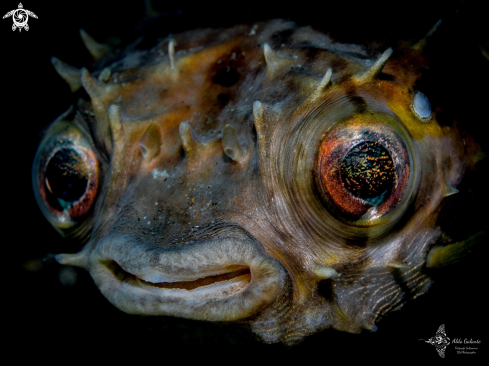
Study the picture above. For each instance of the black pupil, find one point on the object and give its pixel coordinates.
(368, 171)
(67, 175)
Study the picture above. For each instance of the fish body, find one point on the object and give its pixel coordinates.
(262, 174)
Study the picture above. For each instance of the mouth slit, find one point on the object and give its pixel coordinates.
(239, 271)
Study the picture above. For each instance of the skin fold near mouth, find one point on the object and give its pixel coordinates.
(221, 279)
(236, 272)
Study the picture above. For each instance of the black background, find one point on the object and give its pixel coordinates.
(47, 323)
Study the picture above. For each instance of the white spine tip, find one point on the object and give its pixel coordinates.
(230, 144)
(327, 76)
(69, 73)
(449, 191)
(440, 256)
(422, 43)
(97, 50)
(257, 107)
(380, 63)
(323, 84)
(399, 264)
(171, 54)
(77, 259)
(324, 272)
(189, 140)
(270, 56)
(376, 68)
(275, 63)
(325, 81)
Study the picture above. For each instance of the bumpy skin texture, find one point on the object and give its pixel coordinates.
(208, 197)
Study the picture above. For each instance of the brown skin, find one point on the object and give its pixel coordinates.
(168, 187)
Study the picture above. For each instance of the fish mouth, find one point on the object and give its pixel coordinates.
(236, 274)
(220, 279)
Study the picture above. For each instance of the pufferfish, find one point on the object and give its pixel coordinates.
(261, 174)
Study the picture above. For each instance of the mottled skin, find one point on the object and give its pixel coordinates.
(197, 179)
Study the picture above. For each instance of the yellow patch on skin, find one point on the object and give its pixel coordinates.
(399, 100)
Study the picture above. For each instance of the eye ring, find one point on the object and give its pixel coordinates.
(366, 148)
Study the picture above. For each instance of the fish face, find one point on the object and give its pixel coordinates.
(288, 182)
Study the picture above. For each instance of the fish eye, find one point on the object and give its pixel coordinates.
(65, 177)
(363, 169)
(421, 106)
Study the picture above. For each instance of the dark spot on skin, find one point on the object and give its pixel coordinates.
(360, 242)
(400, 279)
(359, 103)
(326, 290)
(226, 77)
(386, 77)
(223, 99)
